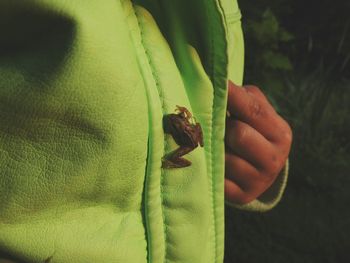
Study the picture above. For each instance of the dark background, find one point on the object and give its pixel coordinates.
(298, 53)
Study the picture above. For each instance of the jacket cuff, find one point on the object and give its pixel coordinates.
(270, 198)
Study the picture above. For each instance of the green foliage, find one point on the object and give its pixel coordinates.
(322, 32)
(318, 109)
(279, 34)
(264, 38)
(276, 60)
(267, 33)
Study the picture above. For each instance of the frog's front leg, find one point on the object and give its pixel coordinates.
(174, 159)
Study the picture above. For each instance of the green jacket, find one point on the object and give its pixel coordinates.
(83, 89)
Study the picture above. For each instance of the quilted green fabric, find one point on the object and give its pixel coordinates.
(83, 89)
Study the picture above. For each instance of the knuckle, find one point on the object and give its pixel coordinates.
(256, 91)
(273, 168)
(288, 134)
(255, 109)
(253, 89)
(240, 133)
(286, 137)
(276, 166)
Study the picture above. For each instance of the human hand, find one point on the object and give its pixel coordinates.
(257, 144)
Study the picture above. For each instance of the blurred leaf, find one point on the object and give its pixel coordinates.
(264, 37)
(270, 22)
(285, 36)
(265, 30)
(276, 60)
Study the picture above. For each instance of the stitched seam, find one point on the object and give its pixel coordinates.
(213, 184)
(212, 75)
(145, 197)
(156, 79)
(218, 7)
(213, 121)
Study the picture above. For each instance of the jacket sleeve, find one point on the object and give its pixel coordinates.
(270, 198)
(273, 195)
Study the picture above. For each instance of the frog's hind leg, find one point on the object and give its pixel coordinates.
(177, 163)
(174, 159)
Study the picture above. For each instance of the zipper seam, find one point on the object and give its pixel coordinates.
(220, 16)
(212, 75)
(161, 96)
(149, 165)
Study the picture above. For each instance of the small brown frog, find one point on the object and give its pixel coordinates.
(186, 132)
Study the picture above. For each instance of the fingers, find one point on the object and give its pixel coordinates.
(240, 171)
(257, 142)
(234, 193)
(250, 105)
(244, 141)
(242, 180)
